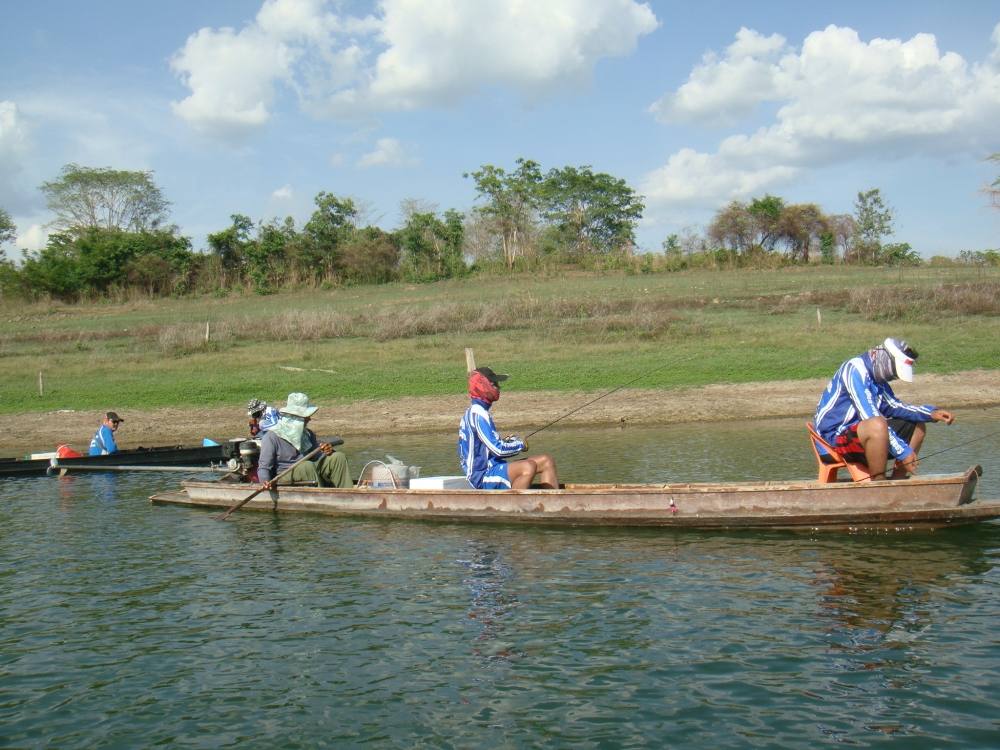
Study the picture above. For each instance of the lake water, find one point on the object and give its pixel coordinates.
(124, 624)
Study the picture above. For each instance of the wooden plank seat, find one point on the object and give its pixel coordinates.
(829, 462)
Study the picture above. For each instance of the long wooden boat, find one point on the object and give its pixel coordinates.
(167, 456)
(922, 501)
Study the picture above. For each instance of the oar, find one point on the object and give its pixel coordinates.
(252, 495)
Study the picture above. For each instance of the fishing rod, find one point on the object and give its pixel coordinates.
(613, 390)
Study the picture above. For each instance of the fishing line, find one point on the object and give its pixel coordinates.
(614, 390)
(935, 453)
(958, 445)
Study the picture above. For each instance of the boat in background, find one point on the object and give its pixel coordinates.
(136, 459)
(923, 501)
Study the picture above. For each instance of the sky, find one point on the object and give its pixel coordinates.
(256, 106)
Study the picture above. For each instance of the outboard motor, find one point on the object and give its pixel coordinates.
(243, 460)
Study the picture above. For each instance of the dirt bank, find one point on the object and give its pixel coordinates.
(20, 434)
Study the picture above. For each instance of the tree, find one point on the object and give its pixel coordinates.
(329, 227)
(732, 228)
(512, 204)
(671, 245)
(230, 245)
(766, 215)
(8, 230)
(590, 212)
(369, 256)
(86, 197)
(92, 261)
(431, 248)
(993, 191)
(800, 226)
(842, 228)
(873, 222)
(9, 276)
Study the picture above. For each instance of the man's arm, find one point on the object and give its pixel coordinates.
(488, 434)
(861, 389)
(109, 440)
(268, 460)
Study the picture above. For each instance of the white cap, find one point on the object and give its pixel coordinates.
(903, 357)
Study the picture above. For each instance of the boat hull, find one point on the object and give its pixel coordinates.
(931, 501)
(195, 455)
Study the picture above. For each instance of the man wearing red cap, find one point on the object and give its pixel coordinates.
(860, 416)
(483, 453)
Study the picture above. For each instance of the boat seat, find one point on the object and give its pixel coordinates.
(829, 462)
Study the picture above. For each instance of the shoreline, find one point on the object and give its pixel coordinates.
(517, 412)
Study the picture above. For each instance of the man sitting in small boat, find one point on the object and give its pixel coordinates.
(290, 440)
(483, 453)
(262, 417)
(103, 443)
(860, 416)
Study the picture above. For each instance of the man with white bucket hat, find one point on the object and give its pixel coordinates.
(860, 416)
(290, 440)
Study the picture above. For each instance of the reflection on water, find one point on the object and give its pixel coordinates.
(119, 619)
(491, 601)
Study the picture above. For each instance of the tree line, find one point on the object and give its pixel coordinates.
(111, 235)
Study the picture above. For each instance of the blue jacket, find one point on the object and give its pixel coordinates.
(103, 442)
(480, 447)
(854, 395)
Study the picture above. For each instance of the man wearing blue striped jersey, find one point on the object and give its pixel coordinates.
(861, 417)
(484, 455)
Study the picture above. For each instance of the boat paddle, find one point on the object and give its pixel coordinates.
(274, 481)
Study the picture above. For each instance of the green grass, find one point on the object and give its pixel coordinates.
(572, 332)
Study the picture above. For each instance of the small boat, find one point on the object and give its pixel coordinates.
(137, 459)
(926, 501)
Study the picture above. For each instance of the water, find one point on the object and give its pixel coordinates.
(126, 624)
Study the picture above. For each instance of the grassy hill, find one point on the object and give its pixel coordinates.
(574, 331)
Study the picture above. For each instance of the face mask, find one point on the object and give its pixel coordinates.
(480, 387)
(883, 365)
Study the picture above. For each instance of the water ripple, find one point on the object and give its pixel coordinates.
(126, 624)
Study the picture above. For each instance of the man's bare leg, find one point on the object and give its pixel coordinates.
(522, 472)
(874, 436)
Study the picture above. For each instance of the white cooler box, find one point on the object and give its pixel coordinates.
(440, 483)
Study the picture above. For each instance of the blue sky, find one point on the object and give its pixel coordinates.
(254, 107)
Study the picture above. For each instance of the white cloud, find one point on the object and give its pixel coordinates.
(441, 50)
(413, 53)
(15, 146)
(232, 77)
(34, 237)
(337, 160)
(283, 193)
(721, 90)
(388, 152)
(840, 99)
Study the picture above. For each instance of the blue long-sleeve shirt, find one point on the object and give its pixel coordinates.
(854, 395)
(103, 442)
(480, 447)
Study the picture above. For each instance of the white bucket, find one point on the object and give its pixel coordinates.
(400, 474)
